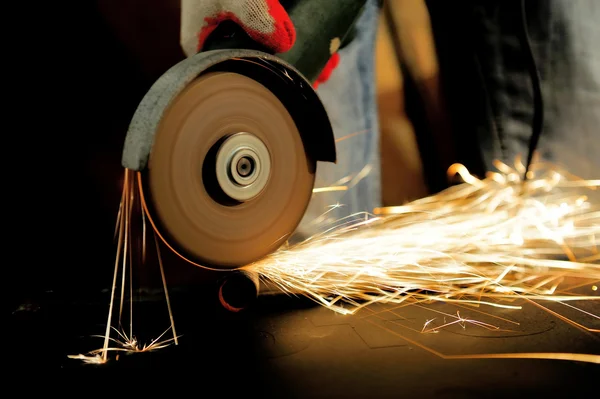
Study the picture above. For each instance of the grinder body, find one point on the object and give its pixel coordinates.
(226, 142)
(321, 28)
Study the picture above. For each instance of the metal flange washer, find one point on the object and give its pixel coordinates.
(243, 166)
(228, 177)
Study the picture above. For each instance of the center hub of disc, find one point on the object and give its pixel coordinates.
(243, 166)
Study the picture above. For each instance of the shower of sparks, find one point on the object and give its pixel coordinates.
(127, 255)
(492, 242)
(483, 242)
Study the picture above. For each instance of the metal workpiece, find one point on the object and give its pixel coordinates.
(239, 289)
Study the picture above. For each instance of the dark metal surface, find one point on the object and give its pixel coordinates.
(286, 347)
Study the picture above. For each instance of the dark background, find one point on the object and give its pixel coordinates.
(81, 69)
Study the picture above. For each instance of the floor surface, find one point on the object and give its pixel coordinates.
(288, 347)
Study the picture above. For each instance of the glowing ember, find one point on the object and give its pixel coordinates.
(130, 209)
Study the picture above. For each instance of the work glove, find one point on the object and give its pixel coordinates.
(265, 21)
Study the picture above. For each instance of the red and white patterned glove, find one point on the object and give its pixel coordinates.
(265, 21)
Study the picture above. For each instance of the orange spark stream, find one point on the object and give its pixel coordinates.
(485, 241)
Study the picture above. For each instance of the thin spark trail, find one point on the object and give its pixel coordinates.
(329, 189)
(577, 357)
(124, 260)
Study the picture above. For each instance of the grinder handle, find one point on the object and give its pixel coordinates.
(322, 26)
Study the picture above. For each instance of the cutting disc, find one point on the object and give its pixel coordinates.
(228, 179)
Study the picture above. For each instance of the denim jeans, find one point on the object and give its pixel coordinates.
(564, 37)
(568, 52)
(350, 98)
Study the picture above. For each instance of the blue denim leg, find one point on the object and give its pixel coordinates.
(564, 39)
(571, 58)
(349, 97)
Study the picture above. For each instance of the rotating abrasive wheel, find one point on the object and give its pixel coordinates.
(228, 179)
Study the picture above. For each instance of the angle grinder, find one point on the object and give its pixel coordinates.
(227, 141)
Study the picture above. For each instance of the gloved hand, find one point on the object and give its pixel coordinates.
(265, 21)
